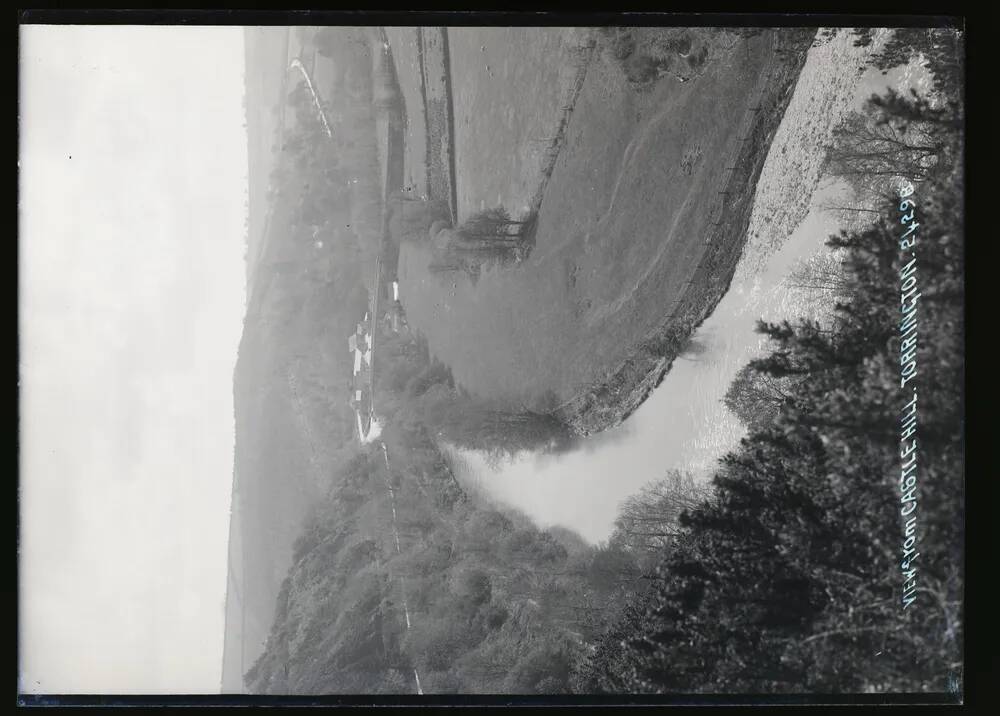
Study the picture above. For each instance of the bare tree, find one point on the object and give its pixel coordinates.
(823, 272)
(648, 522)
(493, 226)
(865, 147)
(755, 397)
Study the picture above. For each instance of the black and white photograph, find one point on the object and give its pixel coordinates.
(408, 361)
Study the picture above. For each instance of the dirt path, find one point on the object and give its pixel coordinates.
(395, 536)
(297, 65)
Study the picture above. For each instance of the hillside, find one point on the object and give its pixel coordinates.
(639, 227)
(308, 289)
(404, 582)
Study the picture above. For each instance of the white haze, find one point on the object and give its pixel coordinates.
(131, 240)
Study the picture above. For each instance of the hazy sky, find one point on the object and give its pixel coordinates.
(133, 183)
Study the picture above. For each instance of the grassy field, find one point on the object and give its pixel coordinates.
(632, 223)
(510, 85)
(439, 111)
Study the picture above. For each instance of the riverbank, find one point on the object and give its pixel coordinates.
(608, 403)
(621, 229)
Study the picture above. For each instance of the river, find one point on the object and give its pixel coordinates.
(685, 424)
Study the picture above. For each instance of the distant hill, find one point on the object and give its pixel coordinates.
(311, 244)
(266, 51)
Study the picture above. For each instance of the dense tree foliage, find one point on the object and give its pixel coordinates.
(903, 135)
(794, 575)
(419, 389)
(494, 605)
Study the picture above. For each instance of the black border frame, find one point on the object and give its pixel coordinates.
(907, 15)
